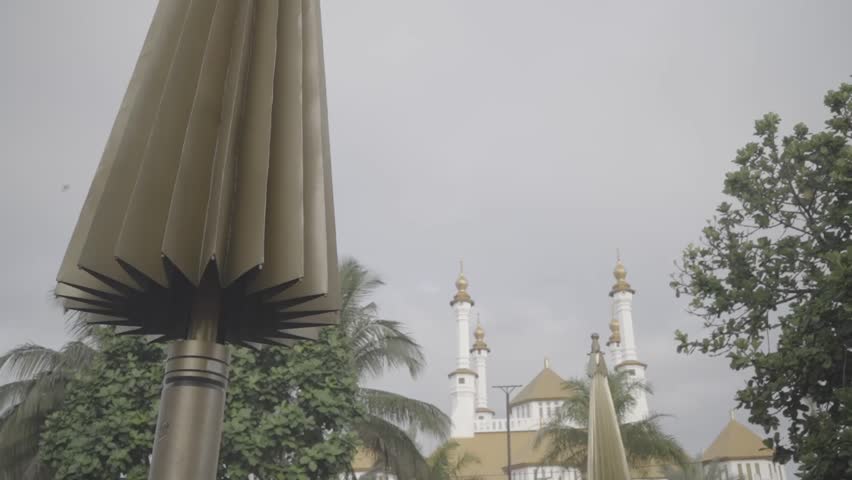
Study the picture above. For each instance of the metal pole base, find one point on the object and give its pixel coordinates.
(192, 409)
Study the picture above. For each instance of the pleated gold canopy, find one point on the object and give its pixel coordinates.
(216, 172)
(606, 456)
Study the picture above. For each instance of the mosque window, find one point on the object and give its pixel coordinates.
(740, 469)
(461, 380)
(631, 372)
(748, 471)
(757, 469)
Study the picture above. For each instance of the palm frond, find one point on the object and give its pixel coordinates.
(394, 450)
(563, 445)
(382, 344)
(565, 437)
(13, 393)
(446, 463)
(79, 326)
(356, 284)
(405, 411)
(76, 355)
(19, 438)
(45, 395)
(42, 375)
(24, 361)
(645, 441)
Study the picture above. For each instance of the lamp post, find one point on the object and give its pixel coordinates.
(507, 390)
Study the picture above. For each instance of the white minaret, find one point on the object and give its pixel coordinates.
(480, 353)
(462, 379)
(625, 354)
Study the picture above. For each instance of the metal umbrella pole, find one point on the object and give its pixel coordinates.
(210, 220)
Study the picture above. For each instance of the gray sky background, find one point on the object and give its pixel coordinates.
(531, 139)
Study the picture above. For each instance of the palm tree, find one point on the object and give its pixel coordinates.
(443, 464)
(39, 375)
(566, 436)
(379, 345)
(446, 464)
(37, 387)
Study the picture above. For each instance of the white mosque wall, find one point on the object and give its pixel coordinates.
(545, 473)
(751, 470)
(529, 416)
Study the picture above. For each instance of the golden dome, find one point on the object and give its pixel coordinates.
(620, 274)
(615, 337)
(461, 289)
(479, 335)
(461, 283)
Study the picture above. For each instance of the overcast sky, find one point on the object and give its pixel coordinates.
(530, 138)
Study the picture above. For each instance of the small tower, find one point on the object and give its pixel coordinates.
(462, 379)
(480, 353)
(625, 351)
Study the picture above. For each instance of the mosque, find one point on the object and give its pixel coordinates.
(737, 453)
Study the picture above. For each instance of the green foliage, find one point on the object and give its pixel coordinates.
(105, 426)
(289, 413)
(565, 437)
(772, 280)
(39, 376)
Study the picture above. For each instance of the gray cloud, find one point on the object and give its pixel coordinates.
(532, 139)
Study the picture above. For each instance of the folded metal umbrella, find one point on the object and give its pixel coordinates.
(215, 178)
(606, 457)
(210, 218)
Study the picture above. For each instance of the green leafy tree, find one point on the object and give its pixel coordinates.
(289, 413)
(39, 376)
(105, 426)
(771, 278)
(378, 345)
(362, 342)
(565, 438)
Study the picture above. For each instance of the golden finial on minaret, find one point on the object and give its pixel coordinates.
(615, 329)
(479, 335)
(461, 287)
(620, 274)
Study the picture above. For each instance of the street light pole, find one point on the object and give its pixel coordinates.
(507, 390)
